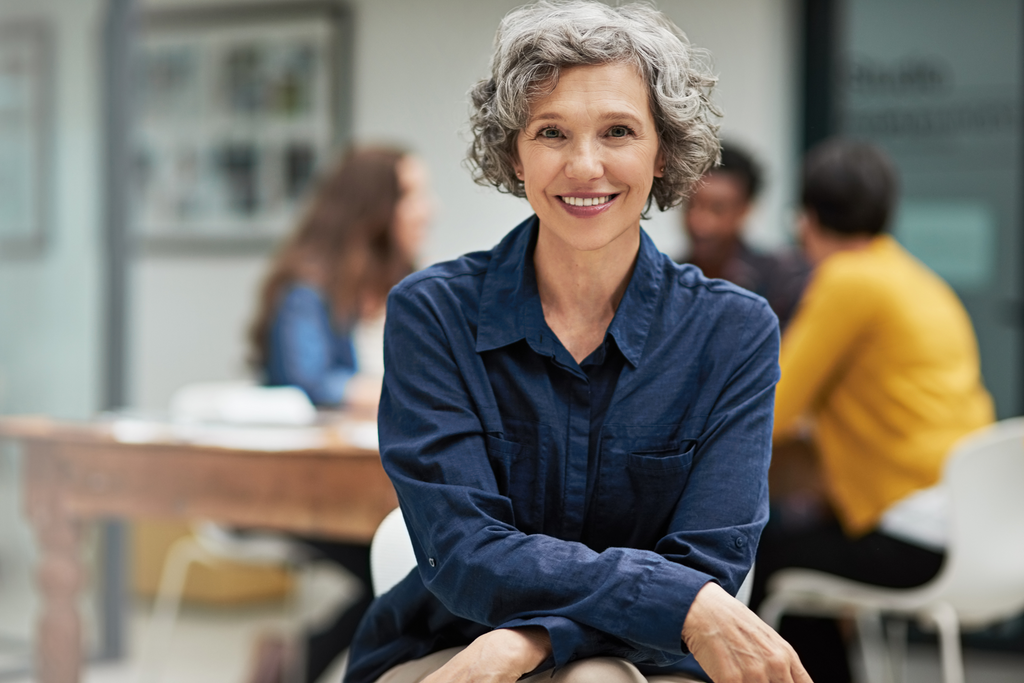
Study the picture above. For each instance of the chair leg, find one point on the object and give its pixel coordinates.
(182, 554)
(896, 632)
(945, 619)
(872, 646)
(297, 666)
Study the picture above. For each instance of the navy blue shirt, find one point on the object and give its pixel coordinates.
(306, 350)
(595, 499)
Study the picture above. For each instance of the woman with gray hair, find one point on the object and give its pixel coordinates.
(578, 428)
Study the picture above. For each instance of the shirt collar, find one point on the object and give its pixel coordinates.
(509, 285)
(510, 308)
(633, 317)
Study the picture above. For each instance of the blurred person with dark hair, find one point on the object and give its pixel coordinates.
(359, 236)
(881, 363)
(714, 218)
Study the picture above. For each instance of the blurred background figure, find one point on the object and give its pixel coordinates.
(326, 289)
(881, 358)
(714, 218)
(359, 236)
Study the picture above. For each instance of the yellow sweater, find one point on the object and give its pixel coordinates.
(882, 357)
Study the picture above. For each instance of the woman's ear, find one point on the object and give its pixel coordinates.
(659, 164)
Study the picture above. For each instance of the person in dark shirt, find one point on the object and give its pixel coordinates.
(577, 427)
(714, 218)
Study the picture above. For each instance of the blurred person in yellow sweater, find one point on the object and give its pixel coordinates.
(880, 369)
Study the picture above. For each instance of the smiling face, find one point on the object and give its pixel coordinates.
(589, 155)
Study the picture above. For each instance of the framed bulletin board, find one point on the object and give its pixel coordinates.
(26, 85)
(237, 109)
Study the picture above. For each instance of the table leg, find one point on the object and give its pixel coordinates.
(60, 573)
(113, 585)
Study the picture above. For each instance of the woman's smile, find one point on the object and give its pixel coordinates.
(585, 205)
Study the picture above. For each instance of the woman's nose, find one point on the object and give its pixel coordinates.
(584, 162)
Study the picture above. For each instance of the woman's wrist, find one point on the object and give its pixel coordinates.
(527, 646)
(707, 600)
(732, 644)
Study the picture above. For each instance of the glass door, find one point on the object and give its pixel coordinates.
(938, 85)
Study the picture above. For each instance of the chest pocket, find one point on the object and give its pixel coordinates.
(665, 462)
(642, 475)
(519, 459)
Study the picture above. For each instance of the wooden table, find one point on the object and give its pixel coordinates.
(74, 472)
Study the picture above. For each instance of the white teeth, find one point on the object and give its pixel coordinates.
(586, 201)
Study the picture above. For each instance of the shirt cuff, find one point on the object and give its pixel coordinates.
(664, 600)
(569, 641)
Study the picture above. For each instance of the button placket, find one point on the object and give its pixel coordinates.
(576, 462)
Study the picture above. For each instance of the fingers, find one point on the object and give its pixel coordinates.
(800, 674)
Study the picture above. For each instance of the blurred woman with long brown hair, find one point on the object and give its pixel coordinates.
(358, 238)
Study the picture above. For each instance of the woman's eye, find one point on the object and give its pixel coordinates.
(618, 131)
(549, 133)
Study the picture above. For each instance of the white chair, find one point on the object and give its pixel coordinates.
(210, 545)
(980, 583)
(234, 402)
(746, 588)
(391, 554)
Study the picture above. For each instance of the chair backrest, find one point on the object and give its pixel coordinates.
(391, 553)
(984, 573)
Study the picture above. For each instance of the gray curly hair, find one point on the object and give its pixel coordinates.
(534, 43)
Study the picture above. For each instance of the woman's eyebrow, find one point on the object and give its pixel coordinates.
(617, 115)
(623, 116)
(545, 116)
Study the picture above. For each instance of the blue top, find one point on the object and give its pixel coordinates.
(306, 350)
(595, 500)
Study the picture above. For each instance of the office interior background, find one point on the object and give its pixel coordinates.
(104, 303)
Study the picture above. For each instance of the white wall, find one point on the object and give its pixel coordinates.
(188, 322)
(755, 48)
(50, 304)
(414, 62)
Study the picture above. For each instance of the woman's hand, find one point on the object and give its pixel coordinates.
(500, 656)
(733, 645)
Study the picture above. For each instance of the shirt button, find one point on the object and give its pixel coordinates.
(740, 541)
(432, 562)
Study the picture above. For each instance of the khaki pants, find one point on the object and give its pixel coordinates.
(593, 670)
